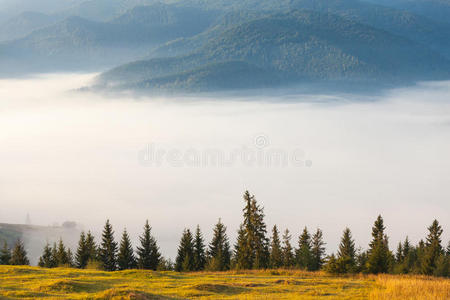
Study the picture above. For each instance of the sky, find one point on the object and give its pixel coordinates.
(321, 161)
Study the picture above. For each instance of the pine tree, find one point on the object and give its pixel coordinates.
(252, 249)
(288, 255)
(46, 260)
(242, 257)
(304, 255)
(19, 255)
(185, 255)
(5, 254)
(378, 260)
(276, 253)
(219, 249)
(399, 254)
(70, 262)
(433, 248)
(125, 258)
(61, 256)
(108, 249)
(346, 259)
(91, 248)
(317, 250)
(199, 250)
(54, 259)
(448, 249)
(82, 255)
(148, 253)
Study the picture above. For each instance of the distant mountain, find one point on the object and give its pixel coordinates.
(77, 43)
(24, 24)
(104, 10)
(433, 9)
(16, 7)
(299, 46)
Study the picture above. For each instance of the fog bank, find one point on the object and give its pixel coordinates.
(181, 162)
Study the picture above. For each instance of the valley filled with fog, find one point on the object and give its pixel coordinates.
(344, 159)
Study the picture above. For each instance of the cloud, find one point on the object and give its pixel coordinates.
(76, 156)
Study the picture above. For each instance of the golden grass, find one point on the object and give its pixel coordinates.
(35, 283)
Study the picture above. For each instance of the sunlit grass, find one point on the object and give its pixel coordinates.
(36, 283)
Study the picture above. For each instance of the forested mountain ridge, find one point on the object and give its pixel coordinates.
(292, 47)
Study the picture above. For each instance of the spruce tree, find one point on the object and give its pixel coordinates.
(276, 253)
(70, 262)
(303, 254)
(82, 254)
(125, 258)
(288, 255)
(346, 259)
(261, 241)
(399, 253)
(19, 255)
(199, 250)
(433, 248)
(185, 256)
(5, 254)
(54, 260)
(108, 249)
(317, 250)
(46, 260)
(91, 248)
(252, 248)
(61, 255)
(219, 249)
(148, 255)
(242, 257)
(378, 260)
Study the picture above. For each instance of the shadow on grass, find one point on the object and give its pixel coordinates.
(219, 289)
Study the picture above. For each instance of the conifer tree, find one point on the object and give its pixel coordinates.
(148, 255)
(219, 249)
(448, 249)
(303, 254)
(61, 254)
(276, 253)
(91, 247)
(242, 256)
(185, 255)
(346, 259)
(19, 255)
(5, 254)
(399, 254)
(288, 255)
(252, 249)
(46, 260)
(82, 254)
(433, 248)
(108, 249)
(54, 260)
(125, 258)
(317, 250)
(199, 250)
(70, 262)
(378, 260)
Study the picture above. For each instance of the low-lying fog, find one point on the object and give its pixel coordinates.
(314, 162)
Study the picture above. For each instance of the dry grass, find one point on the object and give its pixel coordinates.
(60, 283)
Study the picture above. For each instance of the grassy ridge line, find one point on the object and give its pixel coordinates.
(36, 283)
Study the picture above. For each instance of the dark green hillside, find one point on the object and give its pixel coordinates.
(298, 46)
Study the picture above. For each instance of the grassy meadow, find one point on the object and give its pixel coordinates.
(19, 282)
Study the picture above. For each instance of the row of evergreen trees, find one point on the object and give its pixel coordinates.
(252, 250)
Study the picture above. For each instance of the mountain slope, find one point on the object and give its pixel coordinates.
(295, 47)
(78, 43)
(24, 24)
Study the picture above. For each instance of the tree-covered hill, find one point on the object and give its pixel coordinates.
(293, 47)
